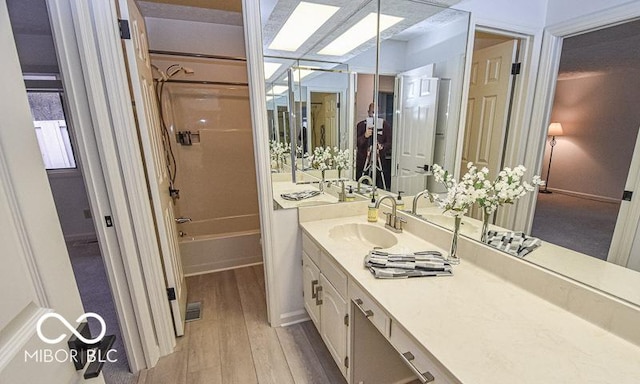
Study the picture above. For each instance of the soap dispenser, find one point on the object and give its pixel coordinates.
(372, 216)
(350, 196)
(399, 201)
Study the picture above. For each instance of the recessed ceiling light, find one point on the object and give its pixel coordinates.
(270, 69)
(361, 32)
(300, 73)
(305, 20)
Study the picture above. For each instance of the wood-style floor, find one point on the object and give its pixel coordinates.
(233, 343)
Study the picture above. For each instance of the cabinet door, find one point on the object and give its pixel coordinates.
(310, 282)
(333, 328)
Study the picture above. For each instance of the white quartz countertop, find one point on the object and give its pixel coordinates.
(484, 329)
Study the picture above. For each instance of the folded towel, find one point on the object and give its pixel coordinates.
(297, 196)
(515, 243)
(385, 265)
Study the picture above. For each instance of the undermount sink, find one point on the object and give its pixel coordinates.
(366, 235)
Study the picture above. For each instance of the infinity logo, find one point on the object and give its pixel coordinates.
(70, 327)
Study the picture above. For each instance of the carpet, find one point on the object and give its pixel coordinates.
(95, 293)
(580, 224)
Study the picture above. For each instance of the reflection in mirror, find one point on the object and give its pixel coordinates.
(331, 45)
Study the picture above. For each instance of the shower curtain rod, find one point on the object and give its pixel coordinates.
(206, 82)
(198, 55)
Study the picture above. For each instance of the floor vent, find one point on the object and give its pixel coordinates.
(193, 311)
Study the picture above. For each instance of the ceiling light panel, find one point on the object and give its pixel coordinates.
(305, 20)
(270, 68)
(360, 33)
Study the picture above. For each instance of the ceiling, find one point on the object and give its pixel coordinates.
(176, 10)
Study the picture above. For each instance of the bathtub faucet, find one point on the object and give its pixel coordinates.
(182, 220)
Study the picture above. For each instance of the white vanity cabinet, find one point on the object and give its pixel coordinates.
(325, 289)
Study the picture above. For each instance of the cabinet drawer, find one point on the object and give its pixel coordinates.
(334, 274)
(311, 248)
(373, 312)
(414, 355)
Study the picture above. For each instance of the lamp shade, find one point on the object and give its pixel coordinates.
(555, 129)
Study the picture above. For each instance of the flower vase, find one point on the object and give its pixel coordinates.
(453, 257)
(485, 225)
(322, 182)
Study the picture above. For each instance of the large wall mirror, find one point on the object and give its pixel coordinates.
(330, 80)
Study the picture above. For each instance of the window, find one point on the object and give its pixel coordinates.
(51, 129)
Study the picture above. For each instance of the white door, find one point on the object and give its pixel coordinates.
(625, 243)
(488, 104)
(36, 276)
(330, 105)
(415, 131)
(148, 118)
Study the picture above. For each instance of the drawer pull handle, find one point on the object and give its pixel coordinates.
(425, 377)
(318, 299)
(367, 313)
(314, 294)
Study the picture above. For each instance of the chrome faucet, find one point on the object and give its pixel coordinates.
(414, 210)
(394, 222)
(182, 220)
(364, 177)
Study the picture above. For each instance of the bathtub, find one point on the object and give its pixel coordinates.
(214, 245)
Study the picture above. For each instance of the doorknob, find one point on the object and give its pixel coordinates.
(424, 167)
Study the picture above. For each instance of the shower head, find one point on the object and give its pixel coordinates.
(174, 69)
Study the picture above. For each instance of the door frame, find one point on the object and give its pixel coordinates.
(522, 103)
(543, 104)
(93, 70)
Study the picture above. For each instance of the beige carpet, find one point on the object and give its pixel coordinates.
(582, 225)
(91, 278)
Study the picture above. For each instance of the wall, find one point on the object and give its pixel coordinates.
(600, 127)
(72, 204)
(195, 37)
(525, 13)
(559, 11)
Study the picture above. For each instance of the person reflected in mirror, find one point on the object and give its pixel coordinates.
(365, 131)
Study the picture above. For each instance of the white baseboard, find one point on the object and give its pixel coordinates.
(88, 236)
(295, 317)
(585, 195)
(222, 265)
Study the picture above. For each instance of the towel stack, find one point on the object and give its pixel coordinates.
(297, 196)
(385, 265)
(514, 243)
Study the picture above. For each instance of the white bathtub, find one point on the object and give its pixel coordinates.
(215, 245)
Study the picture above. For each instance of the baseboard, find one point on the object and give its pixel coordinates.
(88, 236)
(222, 265)
(588, 196)
(295, 317)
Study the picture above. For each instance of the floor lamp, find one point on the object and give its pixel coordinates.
(555, 129)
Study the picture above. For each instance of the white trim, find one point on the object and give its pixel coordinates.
(260, 124)
(624, 234)
(17, 222)
(543, 103)
(587, 196)
(224, 269)
(116, 106)
(86, 149)
(111, 169)
(295, 317)
(13, 347)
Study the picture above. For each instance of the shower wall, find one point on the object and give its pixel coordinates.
(216, 173)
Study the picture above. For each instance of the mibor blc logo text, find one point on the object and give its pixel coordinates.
(50, 355)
